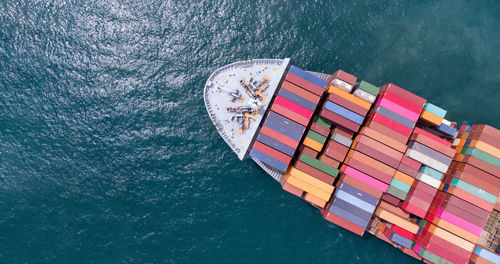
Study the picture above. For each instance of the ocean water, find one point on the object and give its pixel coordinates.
(107, 154)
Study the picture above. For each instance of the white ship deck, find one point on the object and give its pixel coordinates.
(237, 111)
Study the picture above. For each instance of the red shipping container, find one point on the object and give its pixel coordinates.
(402, 232)
(369, 170)
(344, 76)
(358, 230)
(414, 209)
(320, 129)
(292, 189)
(347, 104)
(387, 131)
(391, 124)
(464, 169)
(300, 92)
(343, 131)
(390, 199)
(314, 172)
(313, 88)
(293, 106)
(310, 152)
(402, 102)
(272, 152)
(488, 186)
(471, 198)
(384, 139)
(329, 161)
(338, 119)
(378, 155)
(336, 150)
(410, 252)
(407, 170)
(487, 130)
(290, 114)
(429, 142)
(486, 138)
(280, 137)
(418, 130)
(392, 88)
(360, 185)
(478, 164)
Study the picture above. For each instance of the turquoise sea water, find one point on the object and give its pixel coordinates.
(106, 152)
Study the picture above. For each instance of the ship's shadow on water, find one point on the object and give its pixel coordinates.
(106, 151)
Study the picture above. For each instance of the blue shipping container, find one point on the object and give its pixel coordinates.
(273, 143)
(395, 117)
(297, 99)
(358, 119)
(269, 160)
(284, 125)
(358, 193)
(307, 76)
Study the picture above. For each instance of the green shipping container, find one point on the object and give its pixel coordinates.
(432, 172)
(474, 190)
(481, 155)
(396, 192)
(400, 185)
(368, 87)
(318, 165)
(316, 137)
(322, 122)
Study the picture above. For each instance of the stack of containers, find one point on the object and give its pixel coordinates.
(484, 256)
(432, 114)
(396, 112)
(433, 154)
(287, 119)
(314, 178)
(353, 204)
(342, 80)
(458, 216)
(439, 244)
(342, 107)
(399, 228)
(367, 91)
(475, 174)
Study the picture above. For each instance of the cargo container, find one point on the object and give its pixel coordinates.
(407, 176)
(300, 92)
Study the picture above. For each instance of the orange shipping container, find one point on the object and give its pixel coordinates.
(384, 139)
(455, 230)
(454, 239)
(392, 218)
(311, 180)
(307, 187)
(431, 118)
(314, 200)
(404, 178)
(350, 97)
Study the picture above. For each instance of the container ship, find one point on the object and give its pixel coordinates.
(374, 159)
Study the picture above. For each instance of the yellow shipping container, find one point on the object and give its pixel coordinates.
(311, 180)
(313, 144)
(307, 187)
(392, 218)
